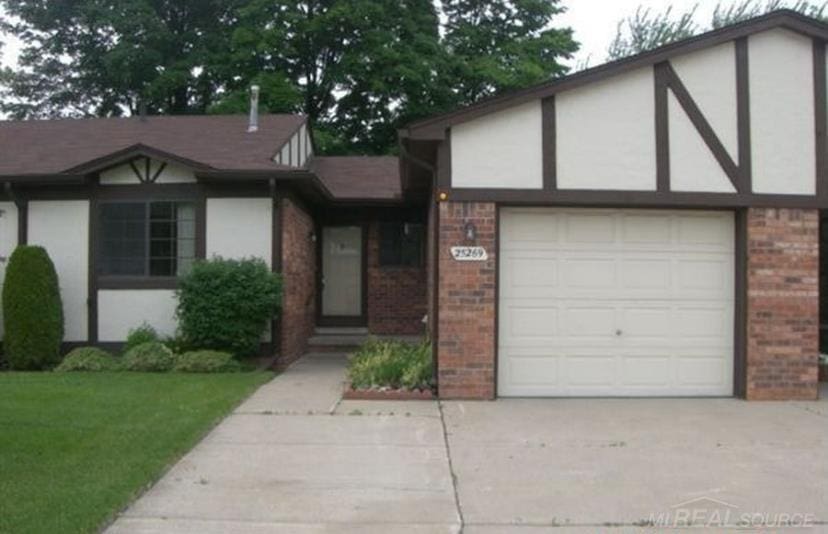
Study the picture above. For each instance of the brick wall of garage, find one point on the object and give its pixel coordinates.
(299, 273)
(396, 295)
(466, 297)
(782, 303)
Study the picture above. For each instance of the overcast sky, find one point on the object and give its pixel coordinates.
(594, 22)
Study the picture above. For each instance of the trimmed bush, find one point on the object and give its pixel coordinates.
(206, 361)
(138, 336)
(152, 357)
(32, 310)
(227, 304)
(391, 364)
(87, 359)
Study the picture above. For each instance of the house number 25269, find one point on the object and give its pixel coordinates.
(469, 253)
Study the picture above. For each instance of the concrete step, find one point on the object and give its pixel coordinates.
(348, 342)
(341, 331)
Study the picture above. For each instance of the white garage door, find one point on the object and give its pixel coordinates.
(615, 303)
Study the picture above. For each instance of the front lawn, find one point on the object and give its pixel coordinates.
(75, 448)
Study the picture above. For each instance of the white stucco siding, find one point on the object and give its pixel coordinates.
(606, 134)
(121, 310)
(8, 242)
(710, 77)
(124, 175)
(62, 228)
(782, 113)
(240, 228)
(692, 165)
(501, 150)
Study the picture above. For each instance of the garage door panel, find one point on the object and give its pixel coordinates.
(531, 322)
(616, 303)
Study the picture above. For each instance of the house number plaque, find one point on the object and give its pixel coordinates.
(469, 253)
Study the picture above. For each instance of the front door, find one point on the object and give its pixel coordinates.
(342, 273)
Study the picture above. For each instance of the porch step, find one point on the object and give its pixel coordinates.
(341, 330)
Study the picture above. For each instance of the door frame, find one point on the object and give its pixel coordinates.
(342, 320)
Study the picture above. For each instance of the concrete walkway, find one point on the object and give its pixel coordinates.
(294, 458)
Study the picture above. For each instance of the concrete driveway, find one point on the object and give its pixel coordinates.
(294, 458)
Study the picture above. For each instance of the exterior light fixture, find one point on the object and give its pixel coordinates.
(470, 231)
(443, 196)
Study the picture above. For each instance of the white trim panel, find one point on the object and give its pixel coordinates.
(240, 228)
(501, 150)
(122, 310)
(62, 228)
(782, 113)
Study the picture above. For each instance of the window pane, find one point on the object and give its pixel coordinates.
(161, 210)
(401, 244)
(123, 247)
(162, 267)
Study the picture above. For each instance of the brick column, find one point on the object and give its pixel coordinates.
(466, 299)
(299, 276)
(782, 303)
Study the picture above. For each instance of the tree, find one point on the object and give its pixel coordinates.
(107, 57)
(355, 67)
(358, 68)
(499, 46)
(647, 29)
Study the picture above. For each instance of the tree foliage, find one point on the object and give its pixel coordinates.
(358, 68)
(647, 29)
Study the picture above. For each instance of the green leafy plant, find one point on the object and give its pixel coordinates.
(32, 310)
(206, 361)
(226, 304)
(151, 357)
(87, 359)
(177, 344)
(391, 364)
(138, 336)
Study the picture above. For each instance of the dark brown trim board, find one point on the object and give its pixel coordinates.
(496, 349)
(743, 116)
(820, 118)
(662, 127)
(92, 274)
(740, 305)
(435, 294)
(635, 199)
(435, 127)
(444, 163)
(23, 222)
(701, 124)
(550, 143)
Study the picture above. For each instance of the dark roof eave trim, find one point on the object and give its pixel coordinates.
(131, 152)
(241, 175)
(44, 179)
(435, 127)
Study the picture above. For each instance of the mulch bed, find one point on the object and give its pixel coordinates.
(387, 394)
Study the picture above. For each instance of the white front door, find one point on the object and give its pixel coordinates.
(342, 271)
(615, 303)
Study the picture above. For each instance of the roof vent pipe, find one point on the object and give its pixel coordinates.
(254, 109)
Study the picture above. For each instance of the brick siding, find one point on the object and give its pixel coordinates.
(466, 322)
(396, 295)
(783, 303)
(299, 272)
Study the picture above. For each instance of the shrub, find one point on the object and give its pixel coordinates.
(138, 336)
(177, 344)
(206, 361)
(152, 357)
(227, 304)
(391, 364)
(32, 310)
(87, 359)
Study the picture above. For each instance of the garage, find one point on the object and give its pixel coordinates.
(615, 302)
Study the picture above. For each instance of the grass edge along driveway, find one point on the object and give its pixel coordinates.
(76, 448)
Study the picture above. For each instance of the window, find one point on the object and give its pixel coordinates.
(401, 244)
(152, 239)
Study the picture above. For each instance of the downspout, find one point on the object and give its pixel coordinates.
(22, 213)
(435, 297)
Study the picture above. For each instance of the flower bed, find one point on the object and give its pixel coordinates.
(391, 370)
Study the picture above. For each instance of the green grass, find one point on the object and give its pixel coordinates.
(76, 448)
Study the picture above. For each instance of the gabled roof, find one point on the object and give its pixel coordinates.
(220, 142)
(435, 127)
